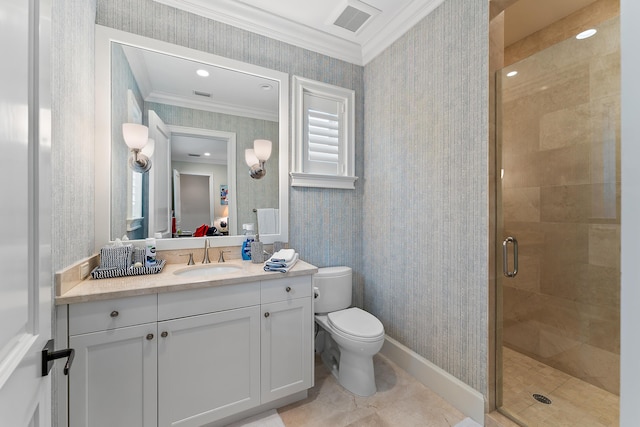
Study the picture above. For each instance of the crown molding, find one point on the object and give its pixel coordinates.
(260, 22)
(233, 110)
(406, 19)
(375, 39)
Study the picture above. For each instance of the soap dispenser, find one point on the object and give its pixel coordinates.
(249, 238)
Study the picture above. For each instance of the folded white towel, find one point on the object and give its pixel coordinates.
(282, 267)
(283, 255)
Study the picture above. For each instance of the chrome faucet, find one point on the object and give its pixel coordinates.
(190, 255)
(206, 260)
(221, 257)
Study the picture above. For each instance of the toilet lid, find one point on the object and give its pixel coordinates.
(356, 322)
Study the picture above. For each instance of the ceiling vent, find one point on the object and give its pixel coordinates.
(205, 94)
(194, 155)
(352, 18)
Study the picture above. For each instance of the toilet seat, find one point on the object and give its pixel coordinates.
(356, 324)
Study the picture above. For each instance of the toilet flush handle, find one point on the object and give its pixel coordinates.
(316, 292)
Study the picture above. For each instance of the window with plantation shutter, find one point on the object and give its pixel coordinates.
(324, 135)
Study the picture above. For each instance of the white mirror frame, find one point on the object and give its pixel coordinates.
(104, 36)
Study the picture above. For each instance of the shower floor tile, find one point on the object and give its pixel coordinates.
(574, 402)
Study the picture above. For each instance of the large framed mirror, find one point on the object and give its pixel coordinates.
(202, 112)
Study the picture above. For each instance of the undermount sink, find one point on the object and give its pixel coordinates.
(208, 270)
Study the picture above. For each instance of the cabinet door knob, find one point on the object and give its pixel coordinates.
(288, 289)
(114, 313)
(266, 314)
(164, 334)
(149, 337)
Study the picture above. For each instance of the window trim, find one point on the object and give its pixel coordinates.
(344, 96)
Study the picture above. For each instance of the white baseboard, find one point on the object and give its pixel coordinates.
(463, 397)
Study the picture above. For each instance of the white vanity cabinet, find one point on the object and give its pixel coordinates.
(191, 357)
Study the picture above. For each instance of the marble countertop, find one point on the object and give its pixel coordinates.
(166, 281)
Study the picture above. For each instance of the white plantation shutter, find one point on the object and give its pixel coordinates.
(323, 133)
(323, 129)
(323, 151)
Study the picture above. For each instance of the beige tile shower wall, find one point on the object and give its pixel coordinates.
(426, 216)
(561, 200)
(325, 226)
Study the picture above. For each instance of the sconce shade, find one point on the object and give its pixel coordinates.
(262, 149)
(250, 157)
(135, 135)
(149, 148)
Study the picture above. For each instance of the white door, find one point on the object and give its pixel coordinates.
(160, 178)
(25, 245)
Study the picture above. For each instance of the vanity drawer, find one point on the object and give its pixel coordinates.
(110, 314)
(286, 288)
(173, 305)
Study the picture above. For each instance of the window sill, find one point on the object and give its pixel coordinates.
(299, 179)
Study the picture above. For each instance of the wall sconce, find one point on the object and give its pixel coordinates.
(257, 156)
(137, 137)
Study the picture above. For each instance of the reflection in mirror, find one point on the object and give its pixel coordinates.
(210, 154)
(202, 112)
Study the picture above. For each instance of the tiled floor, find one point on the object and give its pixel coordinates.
(574, 402)
(401, 401)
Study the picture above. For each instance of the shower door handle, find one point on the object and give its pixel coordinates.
(505, 260)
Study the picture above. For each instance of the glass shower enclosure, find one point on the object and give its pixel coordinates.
(558, 231)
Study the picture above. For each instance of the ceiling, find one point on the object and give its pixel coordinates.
(310, 23)
(525, 17)
(198, 149)
(172, 80)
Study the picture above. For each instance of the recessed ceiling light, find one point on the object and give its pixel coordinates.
(207, 154)
(266, 86)
(512, 73)
(202, 73)
(586, 34)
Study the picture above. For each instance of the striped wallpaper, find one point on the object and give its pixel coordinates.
(72, 155)
(426, 189)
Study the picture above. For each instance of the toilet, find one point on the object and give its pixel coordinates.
(347, 338)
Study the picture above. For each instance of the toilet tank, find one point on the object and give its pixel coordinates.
(334, 289)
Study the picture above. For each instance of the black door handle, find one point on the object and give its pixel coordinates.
(48, 357)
